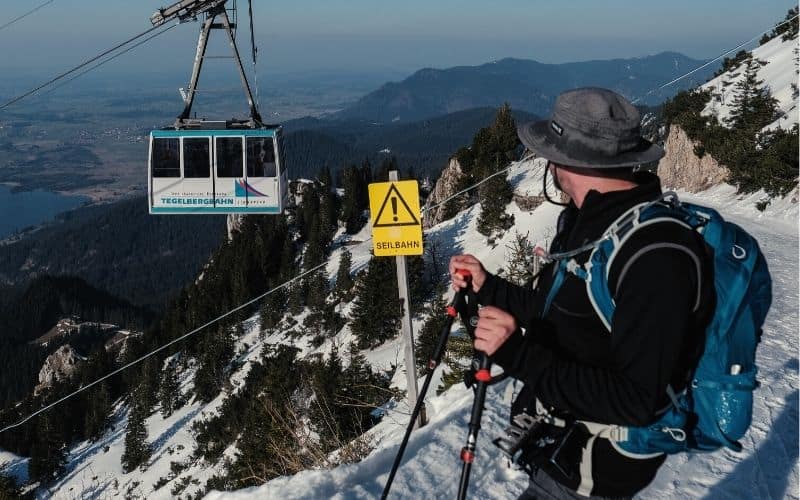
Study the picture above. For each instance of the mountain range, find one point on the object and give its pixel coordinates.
(525, 84)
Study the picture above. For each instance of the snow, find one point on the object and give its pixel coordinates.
(778, 55)
(767, 467)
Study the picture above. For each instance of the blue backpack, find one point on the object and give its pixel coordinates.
(716, 408)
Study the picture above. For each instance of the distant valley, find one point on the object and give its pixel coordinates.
(91, 141)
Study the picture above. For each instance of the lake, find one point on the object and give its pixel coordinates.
(30, 208)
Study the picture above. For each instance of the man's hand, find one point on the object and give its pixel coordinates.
(471, 264)
(495, 326)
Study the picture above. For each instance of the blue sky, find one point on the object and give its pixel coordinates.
(391, 37)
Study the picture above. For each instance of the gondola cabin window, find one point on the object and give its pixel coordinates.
(229, 157)
(260, 157)
(196, 158)
(166, 158)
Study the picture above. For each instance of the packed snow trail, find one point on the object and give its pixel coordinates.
(767, 468)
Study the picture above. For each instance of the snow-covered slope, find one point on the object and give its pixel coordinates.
(767, 468)
(778, 74)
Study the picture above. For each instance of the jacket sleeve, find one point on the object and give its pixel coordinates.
(653, 316)
(520, 302)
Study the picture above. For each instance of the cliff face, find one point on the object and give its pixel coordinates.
(682, 169)
(445, 187)
(58, 366)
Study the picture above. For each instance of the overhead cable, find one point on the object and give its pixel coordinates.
(101, 63)
(238, 308)
(707, 63)
(301, 275)
(23, 16)
(80, 66)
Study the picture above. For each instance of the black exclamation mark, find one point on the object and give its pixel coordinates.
(394, 208)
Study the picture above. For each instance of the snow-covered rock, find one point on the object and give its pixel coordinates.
(445, 188)
(233, 223)
(58, 366)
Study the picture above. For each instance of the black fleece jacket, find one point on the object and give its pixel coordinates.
(663, 291)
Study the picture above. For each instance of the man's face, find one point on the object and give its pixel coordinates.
(556, 172)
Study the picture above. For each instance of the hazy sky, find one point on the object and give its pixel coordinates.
(388, 37)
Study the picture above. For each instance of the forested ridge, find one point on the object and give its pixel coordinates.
(117, 247)
(334, 396)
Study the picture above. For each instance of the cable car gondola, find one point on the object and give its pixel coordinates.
(199, 166)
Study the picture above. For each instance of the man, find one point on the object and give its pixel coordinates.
(576, 369)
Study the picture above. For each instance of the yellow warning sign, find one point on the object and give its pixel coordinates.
(395, 218)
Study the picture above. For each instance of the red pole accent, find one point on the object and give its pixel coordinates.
(466, 275)
(483, 375)
(451, 311)
(467, 456)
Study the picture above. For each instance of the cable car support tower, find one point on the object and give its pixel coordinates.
(211, 10)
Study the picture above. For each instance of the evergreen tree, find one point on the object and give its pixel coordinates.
(324, 412)
(315, 248)
(777, 167)
(261, 416)
(150, 376)
(381, 173)
(216, 350)
(48, 451)
(355, 199)
(753, 106)
(361, 391)
(519, 257)
(344, 282)
(296, 298)
(376, 310)
(273, 308)
(495, 194)
(435, 320)
(493, 148)
(366, 179)
(169, 393)
(8, 488)
(97, 412)
(328, 206)
(790, 29)
(317, 286)
(288, 259)
(418, 285)
(137, 449)
(458, 356)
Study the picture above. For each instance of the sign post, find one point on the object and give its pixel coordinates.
(397, 231)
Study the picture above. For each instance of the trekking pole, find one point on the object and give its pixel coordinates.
(433, 362)
(483, 378)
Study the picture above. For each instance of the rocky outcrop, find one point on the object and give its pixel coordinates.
(445, 188)
(58, 366)
(682, 169)
(527, 203)
(234, 223)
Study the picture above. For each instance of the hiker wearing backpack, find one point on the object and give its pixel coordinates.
(623, 351)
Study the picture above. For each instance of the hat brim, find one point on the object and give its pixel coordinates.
(539, 138)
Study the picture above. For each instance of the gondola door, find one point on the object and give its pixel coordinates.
(230, 193)
(197, 188)
(262, 182)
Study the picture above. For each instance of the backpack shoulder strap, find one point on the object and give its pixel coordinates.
(597, 270)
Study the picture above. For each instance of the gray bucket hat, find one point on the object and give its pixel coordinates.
(591, 128)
